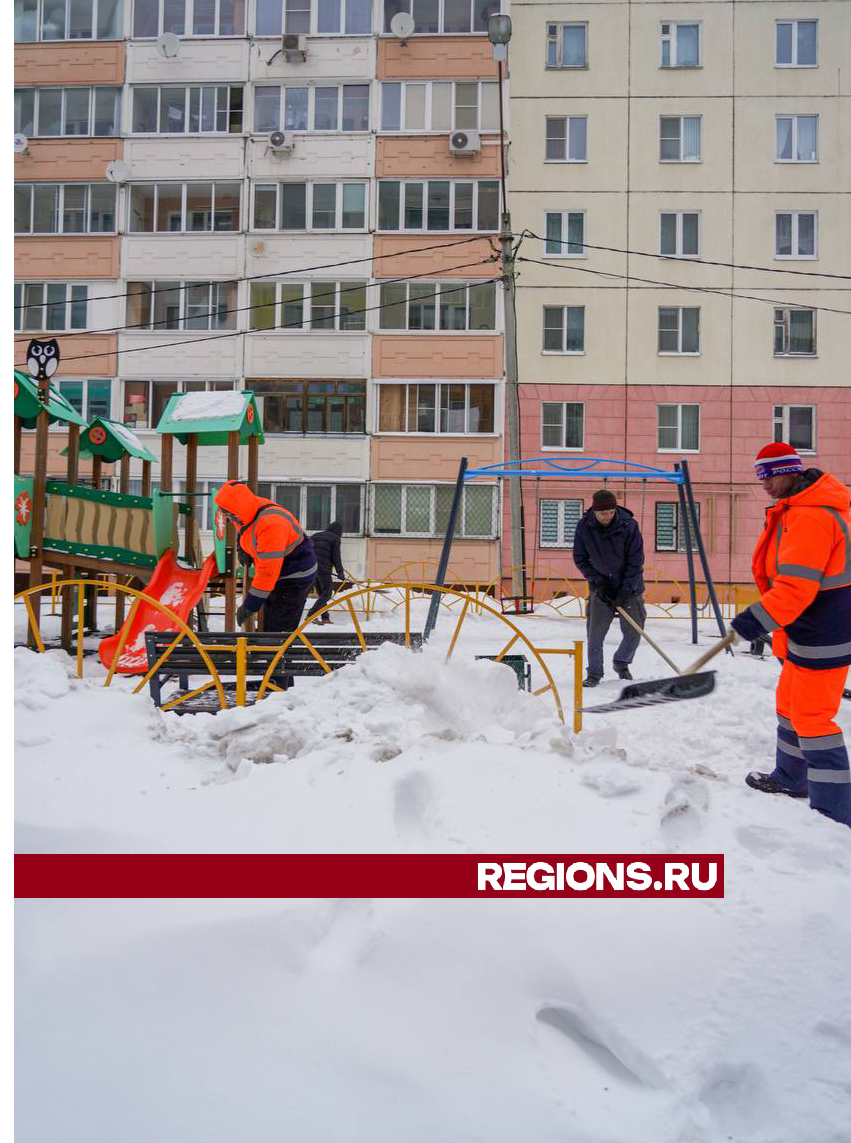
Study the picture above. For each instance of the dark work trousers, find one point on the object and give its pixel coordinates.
(284, 607)
(600, 618)
(324, 590)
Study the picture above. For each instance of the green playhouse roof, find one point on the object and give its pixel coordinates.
(212, 416)
(28, 405)
(111, 440)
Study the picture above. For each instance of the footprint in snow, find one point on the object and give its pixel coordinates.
(621, 1060)
(412, 800)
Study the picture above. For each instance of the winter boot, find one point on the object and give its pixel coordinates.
(768, 785)
(623, 672)
(590, 681)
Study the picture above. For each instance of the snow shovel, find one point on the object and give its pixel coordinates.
(690, 684)
(623, 614)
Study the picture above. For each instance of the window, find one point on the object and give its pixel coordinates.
(680, 45)
(450, 17)
(195, 110)
(558, 520)
(91, 398)
(67, 20)
(443, 306)
(679, 329)
(145, 401)
(679, 234)
(566, 139)
(439, 204)
(423, 510)
(565, 234)
(797, 43)
(425, 105)
(310, 206)
(563, 424)
(797, 139)
(311, 406)
(181, 305)
(795, 234)
(794, 333)
(678, 428)
(679, 139)
(670, 537)
(457, 407)
(323, 17)
(338, 107)
(51, 306)
(316, 505)
(796, 425)
(188, 18)
(66, 208)
(308, 306)
(567, 45)
(564, 329)
(170, 208)
(41, 112)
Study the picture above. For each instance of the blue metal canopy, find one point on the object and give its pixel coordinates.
(584, 466)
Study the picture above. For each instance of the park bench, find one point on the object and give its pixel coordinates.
(246, 662)
(519, 664)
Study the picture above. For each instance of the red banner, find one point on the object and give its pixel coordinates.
(368, 875)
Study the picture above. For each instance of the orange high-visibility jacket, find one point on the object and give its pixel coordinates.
(270, 535)
(802, 567)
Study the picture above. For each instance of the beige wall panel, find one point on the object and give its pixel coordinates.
(218, 358)
(306, 355)
(605, 225)
(753, 336)
(755, 49)
(313, 156)
(447, 263)
(714, 173)
(408, 457)
(314, 458)
(189, 157)
(607, 42)
(715, 237)
(471, 561)
(436, 57)
(755, 238)
(268, 253)
(407, 355)
(66, 257)
(347, 58)
(202, 60)
(86, 355)
(409, 156)
(607, 146)
(54, 160)
(713, 77)
(710, 367)
(603, 360)
(755, 145)
(83, 62)
(196, 256)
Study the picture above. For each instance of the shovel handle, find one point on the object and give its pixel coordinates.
(625, 615)
(730, 638)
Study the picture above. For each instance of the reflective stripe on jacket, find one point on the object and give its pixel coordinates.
(270, 535)
(802, 567)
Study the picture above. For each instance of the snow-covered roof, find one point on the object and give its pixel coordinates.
(208, 406)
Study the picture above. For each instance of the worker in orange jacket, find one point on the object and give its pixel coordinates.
(271, 539)
(802, 567)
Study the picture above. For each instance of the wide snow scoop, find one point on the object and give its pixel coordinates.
(692, 683)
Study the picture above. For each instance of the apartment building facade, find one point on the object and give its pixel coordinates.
(172, 241)
(645, 137)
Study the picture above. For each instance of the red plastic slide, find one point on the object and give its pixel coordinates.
(175, 587)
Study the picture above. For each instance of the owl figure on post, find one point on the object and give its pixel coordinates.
(42, 358)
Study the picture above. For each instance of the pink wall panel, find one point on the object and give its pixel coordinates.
(67, 160)
(435, 458)
(453, 262)
(409, 355)
(95, 353)
(436, 57)
(412, 156)
(82, 62)
(66, 257)
(472, 561)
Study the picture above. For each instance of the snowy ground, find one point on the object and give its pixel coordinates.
(573, 1021)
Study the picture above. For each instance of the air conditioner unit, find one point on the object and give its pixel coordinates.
(281, 142)
(465, 143)
(294, 47)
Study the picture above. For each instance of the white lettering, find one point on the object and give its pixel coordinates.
(515, 875)
(676, 873)
(604, 874)
(489, 874)
(638, 874)
(580, 867)
(545, 882)
(711, 880)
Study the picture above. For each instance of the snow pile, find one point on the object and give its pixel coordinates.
(204, 406)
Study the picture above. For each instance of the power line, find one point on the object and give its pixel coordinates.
(720, 291)
(691, 261)
(245, 333)
(301, 270)
(259, 305)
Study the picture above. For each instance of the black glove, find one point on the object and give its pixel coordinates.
(748, 627)
(624, 599)
(244, 558)
(242, 614)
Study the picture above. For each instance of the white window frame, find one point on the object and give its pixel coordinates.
(187, 87)
(184, 194)
(429, 86)
(182, 285)
(438, 432)
(563, 427)
(92, 90)
(679, 545)
(460, 531)
(383, 31)
(20, 297)
(452, 229)
(794, 257)
(307, 326)
(785, 321)
(216, 384)
(567, 120)
(303, 487)
(454, 286)
(311, 89)
(258, 184)
(671, 38)
(564, 352)
(782, 422)
(795, 118)
(39, 18)
(679, 406)
(188, 23)
(554, 38)
(564, 244)
(61, 208)
(794, 25)
(59, 380)
(562, 541)
(681, 118)
(678, 238)
(313, 22)
(679, 351)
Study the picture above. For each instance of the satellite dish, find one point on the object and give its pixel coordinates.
(21, 144)
(117, 171)
(168, 45)
(402, 26)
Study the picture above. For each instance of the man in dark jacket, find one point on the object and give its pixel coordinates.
(609, 551)
(326, 545)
